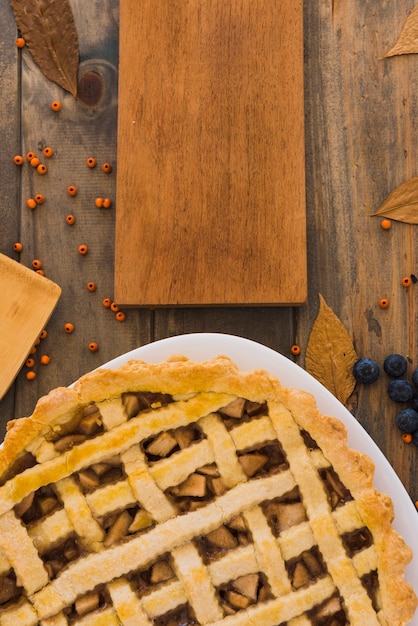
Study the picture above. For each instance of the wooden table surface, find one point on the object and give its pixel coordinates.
(361, 131)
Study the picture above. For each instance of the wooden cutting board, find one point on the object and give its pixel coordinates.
(27, 303)
(211, 177)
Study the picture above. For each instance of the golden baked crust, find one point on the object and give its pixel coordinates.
(193, 493)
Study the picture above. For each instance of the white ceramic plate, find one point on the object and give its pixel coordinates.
(249, 355)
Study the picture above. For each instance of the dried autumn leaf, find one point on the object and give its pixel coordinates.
(330, 354)
(402, 203)
(407, 42)
(51, 36)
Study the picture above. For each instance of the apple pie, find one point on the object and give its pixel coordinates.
(186, 493)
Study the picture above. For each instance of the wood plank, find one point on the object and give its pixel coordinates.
(9, 129)
(362, 142)
(29, 300)
(211, 195)
(84, 127)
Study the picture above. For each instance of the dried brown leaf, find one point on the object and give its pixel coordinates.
(330, 354)
(407, 42)
(402, 203)
(49, 31)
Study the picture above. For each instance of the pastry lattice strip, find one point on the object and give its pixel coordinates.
(146, 484)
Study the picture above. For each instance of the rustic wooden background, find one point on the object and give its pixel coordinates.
(361, 117)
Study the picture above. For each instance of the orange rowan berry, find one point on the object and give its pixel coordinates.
(34, 161)
(36, 264)
(30, 155)
(70, 219)
(295, 349)
(114, 307)
(30, 362)
(17, 247)
(82, 249)
(69, 328)
(386, 224)
(42, 169)
(107, 303)
(33, 351)
(383, 303)
(40, 272)
(91, 162)
(406, 281)
(56, 105)
(45, 359)
(407, 437)
(91, 286)
(120, 316)
(93, 346)
(99, 202)
(107, 168)
(31, 203)
(72, 190)
(107, 203)
(43, 334)
(18, 159)
(39, 198)
(20, 42)
(31, 375)
(47, 152)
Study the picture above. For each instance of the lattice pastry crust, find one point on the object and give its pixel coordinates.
(191, 493)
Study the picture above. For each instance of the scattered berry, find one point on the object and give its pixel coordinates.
(36, 264)
(383, 303)
(45, 359)
(20, 42)
(407, 421)
(91, 286)
(114, 307)
(69, 328)
(39, 198)
(107, 303)
(43, 334)
(72, 190)
(30, 155)
(386, 224)
(30, 362)
(407, 437)
(395, 365)
(366, 370)
(18, 159)
(107, 203)
(31, 375)
(93, 346)
(91, 162)
(295, 349)
(99, 202)
(406, 281)
(120, 316)
(107, 168)
(31, 203)
(82, 249)
(34, 161)
(400, 390)
(48, 152)
(56, 105)
(414, 377)
(70, 219)
(42, 169)
(17, 247)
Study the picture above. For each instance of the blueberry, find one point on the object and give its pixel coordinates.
(407, 420)
(366, 371)
(414, 377)
(395, 365)
(400, 390)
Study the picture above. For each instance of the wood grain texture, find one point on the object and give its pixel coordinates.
(29, 300)
(211, 194)
(362, 142)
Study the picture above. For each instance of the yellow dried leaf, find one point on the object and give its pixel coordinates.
(402, 203)
(330, 354)
(407, 42)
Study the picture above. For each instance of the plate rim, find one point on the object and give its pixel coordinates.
(202, 346)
